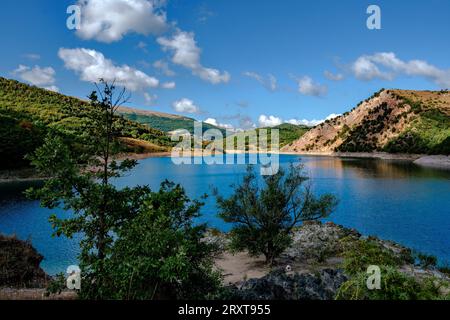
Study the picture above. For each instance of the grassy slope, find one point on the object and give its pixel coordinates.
(164, 122)
(28, 113)
(287, 133)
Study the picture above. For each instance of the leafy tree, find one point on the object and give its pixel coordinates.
(136, 244)
(81, 182)
(161, 254)
(264, 217)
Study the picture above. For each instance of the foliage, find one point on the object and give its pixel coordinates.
(395, 285)
(167, 124)
(429, 134)
(136, 244)
(28, 113)
(363, 253)
(80, 182)
(425, 261)
(263, 217)
(56, 285)
(288, 133)
(160, 254)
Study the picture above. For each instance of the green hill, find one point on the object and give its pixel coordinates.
(163, 121)
(28, 113)
(287, 133)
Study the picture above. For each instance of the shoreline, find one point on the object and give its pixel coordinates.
(422, 160)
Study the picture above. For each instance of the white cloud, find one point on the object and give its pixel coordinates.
(110, 20)
(333, 76)
(308, 87)
(187, 54)
(185, 106)
(311, 123)
(168, 85)
(150, 99)
(367, 67)
(164, 68)
(269, 121)
(217, 124)
(37, 76)
(92, 65)
(364, 69)
(270, 83)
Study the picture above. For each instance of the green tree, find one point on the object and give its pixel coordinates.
(136, 244)
(161, 253)
(81, 182)
(264, 217)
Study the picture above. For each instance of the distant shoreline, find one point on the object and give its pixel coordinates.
(428, 161)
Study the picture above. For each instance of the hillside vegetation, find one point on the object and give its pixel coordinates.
(164, 121)
(28, 114)
(395, 121)
(287, 134)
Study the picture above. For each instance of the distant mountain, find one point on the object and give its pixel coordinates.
(28, 113)
(395, 121)
(163, 121)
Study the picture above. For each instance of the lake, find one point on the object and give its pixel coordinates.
(393, 200)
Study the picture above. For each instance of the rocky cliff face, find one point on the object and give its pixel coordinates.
(391, 120)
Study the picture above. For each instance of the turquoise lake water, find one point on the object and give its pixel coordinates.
(393, 200)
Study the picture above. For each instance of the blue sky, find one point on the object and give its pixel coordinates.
(233, 62)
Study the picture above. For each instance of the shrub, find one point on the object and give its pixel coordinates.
(263, 217)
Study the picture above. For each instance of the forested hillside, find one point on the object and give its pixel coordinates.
(28, 113)
(164, 121)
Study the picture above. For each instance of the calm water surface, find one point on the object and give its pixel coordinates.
(392, 200)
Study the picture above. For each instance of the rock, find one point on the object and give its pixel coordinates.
(281, 286)
(20, 264)
(316, 240)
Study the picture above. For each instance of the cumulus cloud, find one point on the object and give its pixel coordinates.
(365, 69)
(185, 106)
(92, 65)
(187, 54)
(110, 20)
(333, 76)
(270, 83)
(308, 87)
(214, 122)
(269, 121)
(37, 76)
(150, 99)
(163, 66)
(369, 67)
(312, 123)
(168, 85)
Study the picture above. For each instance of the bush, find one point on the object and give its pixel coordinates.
(363, 253)
(161, 254)
(394, 286)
